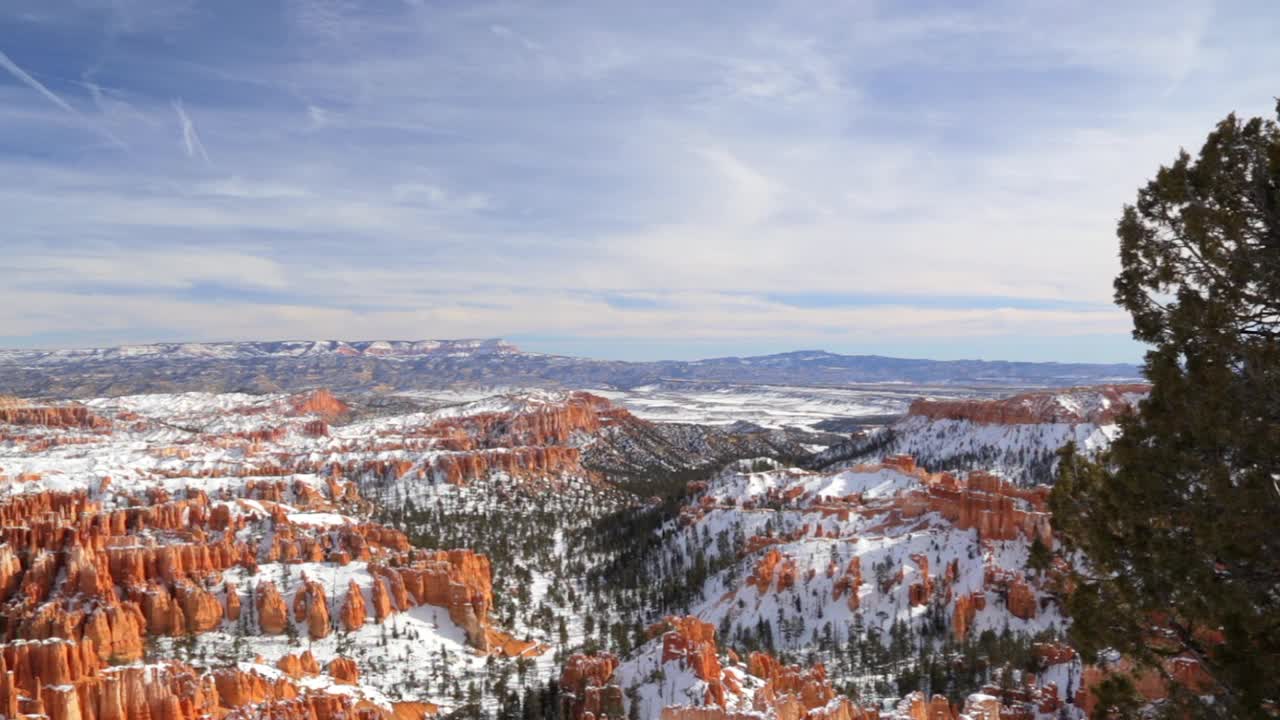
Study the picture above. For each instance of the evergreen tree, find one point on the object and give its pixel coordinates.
(1178, 519)
(1038, 557)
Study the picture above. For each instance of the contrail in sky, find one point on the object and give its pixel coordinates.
(25, 78)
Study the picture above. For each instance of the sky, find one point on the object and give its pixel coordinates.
(610, 179)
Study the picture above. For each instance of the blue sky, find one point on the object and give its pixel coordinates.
(631, 180)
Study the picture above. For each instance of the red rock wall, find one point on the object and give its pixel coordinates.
(1032, 408)
(70, 416)
(693, 643)
(588, 687)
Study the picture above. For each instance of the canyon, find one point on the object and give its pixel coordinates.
(315, 555)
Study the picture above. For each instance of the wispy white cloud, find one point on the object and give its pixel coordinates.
(238, 187)
(33, 83)
(501, 168)
(26, 79)
(190, 138)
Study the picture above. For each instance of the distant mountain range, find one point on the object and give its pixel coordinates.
(398, 365)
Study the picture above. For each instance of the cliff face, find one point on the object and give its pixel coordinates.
(458, 580)
(692, 643)
(64, 680)
(1100, 405)
(717, 687)
(926, 551)
(138, 526)
(196, 520)
(196, 537)
(792, 691)
(590, 690)
(60, 416)
(980, 501)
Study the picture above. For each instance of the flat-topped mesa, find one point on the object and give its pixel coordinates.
(1100, 405)
(589, 688)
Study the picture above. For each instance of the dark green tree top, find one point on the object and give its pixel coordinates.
(1180, 520)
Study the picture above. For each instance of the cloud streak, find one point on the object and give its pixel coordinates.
(839, 175)
(190, 138)
(26, 79)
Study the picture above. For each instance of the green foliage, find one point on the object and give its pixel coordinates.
(1039, 556)
(1178, 520)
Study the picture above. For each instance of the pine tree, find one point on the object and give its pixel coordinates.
(1178, 518)
(1038, 557)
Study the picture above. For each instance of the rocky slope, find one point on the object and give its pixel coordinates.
(228, 531)
(1017, 436)
(869, 569)
(231, 530)
(315, 555)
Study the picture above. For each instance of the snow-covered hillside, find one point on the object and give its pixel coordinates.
(877, 573)
(535, 553)
(1017, 436)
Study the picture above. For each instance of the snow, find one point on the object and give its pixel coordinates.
(180, 446)
(319, 519)
(768, 406)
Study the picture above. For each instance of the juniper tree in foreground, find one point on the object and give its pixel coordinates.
(1180, 520)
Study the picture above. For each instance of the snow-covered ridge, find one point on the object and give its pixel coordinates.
(1017, 436)
(390, 349)
(1100, 405)
(816, 565)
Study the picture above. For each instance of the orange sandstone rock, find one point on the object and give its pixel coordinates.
(1022, 600)
(344, 670)
(1112, 401)
(589, 689)
(310, 605)
(233, 602)
(693, 642)
(272, 613)
(353, 608)
(319, 402)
